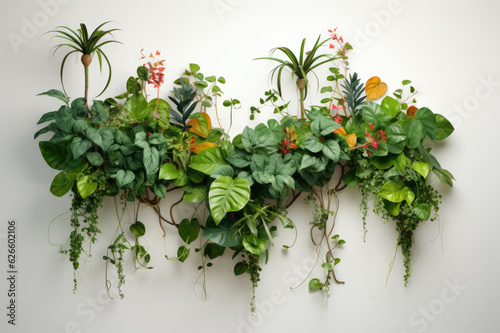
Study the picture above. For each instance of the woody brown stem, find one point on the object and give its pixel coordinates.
(86, 61)
(302, 86)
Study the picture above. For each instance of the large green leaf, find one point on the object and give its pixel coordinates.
(410, 196)
(183, 253)
(227, 195)
(444, 176)
(396, 138)
(208, 160)
(222, 234)
(169, 171)
(123, 138)
(95, 158)
(331, 149)
(223, 170)
(240, 268)
(350, 179)
(213, 250)
(137, 106)
(312, 144)
(261, 140)
(160, 190)
(163, 113)
(433, 162)
(393, 191)
(445, 128)
(189, 230)
(138, 229)
(56, 155)
(61, 184)
(423, 211)
(254, 244)
(422, 168)
(373, 114)
(194, 193)
(400, 163)
(239, 159)
(308, 161)
(124, 177)
(57, 94)
(100, 111)
(414, 131)
(156, 139)
(46, 117)
(428, 121)
(393, 207)
(86, 186)
(79, 146)
(322, 126)
(103, 137)
(50, 127)
(64, 119)
(382, 163)
(80, 126)
(390, 106)
(182, 180)
(151, 160)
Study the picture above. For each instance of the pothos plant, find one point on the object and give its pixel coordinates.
(141, 149)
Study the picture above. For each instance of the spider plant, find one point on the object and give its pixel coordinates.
(300, 66)
(81, 42)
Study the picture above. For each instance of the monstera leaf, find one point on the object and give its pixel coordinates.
(227, 195)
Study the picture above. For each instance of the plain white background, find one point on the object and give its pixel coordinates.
(448, 48)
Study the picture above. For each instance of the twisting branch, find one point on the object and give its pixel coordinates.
(172, 208)
(339, 188)
(295, 197)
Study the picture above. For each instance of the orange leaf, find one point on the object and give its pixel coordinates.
(411, 111)
(351, 140)
(340, 131)
(202, 146)
(374, 88)
(200, 129)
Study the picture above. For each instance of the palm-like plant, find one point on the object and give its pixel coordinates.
(300, 67)
(81, 42)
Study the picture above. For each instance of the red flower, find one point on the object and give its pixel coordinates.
(288, 142)
(156, 75)
(192, 143)
(338, 119)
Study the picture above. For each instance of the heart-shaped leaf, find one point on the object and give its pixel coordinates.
(189, 230)
(200, 125)
(61, 184)
(374, 88)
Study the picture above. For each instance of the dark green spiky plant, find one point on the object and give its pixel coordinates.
(300, 66)
(185, 102)
(354, 94)
(81, 42)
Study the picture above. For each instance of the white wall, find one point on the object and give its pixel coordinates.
(448, 48)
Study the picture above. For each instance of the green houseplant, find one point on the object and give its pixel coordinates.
(142, 151)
